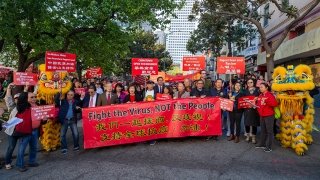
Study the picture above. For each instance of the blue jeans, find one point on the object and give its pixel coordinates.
(75, 134)
(12, 141)
(32, 140)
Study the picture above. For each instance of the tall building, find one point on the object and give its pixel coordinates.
(179, 32)
(302, 45)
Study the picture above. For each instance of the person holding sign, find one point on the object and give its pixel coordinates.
(236, 114)
(67, 117)
(266, 103)
(251, 116)
(181, 93)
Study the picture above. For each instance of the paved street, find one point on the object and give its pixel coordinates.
(189, 159)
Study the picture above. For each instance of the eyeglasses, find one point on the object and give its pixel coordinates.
(250, 82)
(91, 92)
(203, 73)
(70, 94)
(32, 97)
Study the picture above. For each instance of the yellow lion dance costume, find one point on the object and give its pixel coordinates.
(49, 84)
(296, 106)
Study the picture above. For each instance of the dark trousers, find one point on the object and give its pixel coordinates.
(72, 123)
(235, 119)
(254, 130)
(266, 124)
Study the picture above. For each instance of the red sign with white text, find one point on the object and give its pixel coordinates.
(231, 65)
(124, 123)
(57, 61)
(23, 78)
(163, 96)
(41, 112)
(80, 91)
(193, 63)
(226, 104)
(246, 102)
(94, 72)
(144, 66)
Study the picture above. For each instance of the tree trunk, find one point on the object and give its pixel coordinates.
(270, 65)
(229, 49)
(22, 63)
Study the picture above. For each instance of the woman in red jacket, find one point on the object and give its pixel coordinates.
(266, 102)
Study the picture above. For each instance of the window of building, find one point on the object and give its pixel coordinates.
(266, 14)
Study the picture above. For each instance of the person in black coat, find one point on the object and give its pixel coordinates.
(199, 90)
(218, 90)
(91, 98)
(133, 95)
(158, 88)
(236, 114)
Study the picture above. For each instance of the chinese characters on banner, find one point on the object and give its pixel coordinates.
(246, 102)
(125, 123)
(56, 61)
(80, 91)
(41, 112)
(94, 72)
(144, 66)
(23, 78)
(226, 104)
(193, 63)
(230, 65)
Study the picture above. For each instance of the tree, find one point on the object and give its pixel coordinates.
(248, 10)
(96, 30)
(144, 45)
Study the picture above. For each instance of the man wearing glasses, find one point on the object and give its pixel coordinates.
(90, 99)
(207, 82)
(67, 117)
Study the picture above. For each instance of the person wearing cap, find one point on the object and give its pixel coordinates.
(150, 93)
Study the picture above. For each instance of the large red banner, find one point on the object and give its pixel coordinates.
(23, 78)
(144, 66)
(193, 63)
(57, 61)
(231, 65)
(125, 123)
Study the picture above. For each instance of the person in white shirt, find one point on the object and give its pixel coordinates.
(98, 87)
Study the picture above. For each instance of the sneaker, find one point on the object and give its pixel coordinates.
(152, 143)
(64, 151)
(260, 147)
(33, 165)
(267, 150)
(76, 149)
(8, 166)
(23, 169)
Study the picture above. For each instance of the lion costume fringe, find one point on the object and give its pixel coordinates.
(296, 106)
(49, 84)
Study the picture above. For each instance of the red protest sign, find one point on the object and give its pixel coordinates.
(41, 112)
(57, 61)
(144, 66)
(231, 65)
(80, 90)
(226, 104)
(94, 72)
(123, 124)
(163, 96)
(246, 102)
(193, 63)
(23, 78)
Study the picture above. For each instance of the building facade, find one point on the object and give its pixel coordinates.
(179, 32)
(302, 45)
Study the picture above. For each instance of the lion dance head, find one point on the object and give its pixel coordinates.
(292, 86)
(51, 83)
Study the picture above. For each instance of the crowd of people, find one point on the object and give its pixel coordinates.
(103, 92)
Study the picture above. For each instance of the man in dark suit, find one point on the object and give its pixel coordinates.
(160, 86)
(108, 97)
(90, 99)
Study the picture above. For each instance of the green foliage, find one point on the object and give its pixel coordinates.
(98, 31)
(144, 45)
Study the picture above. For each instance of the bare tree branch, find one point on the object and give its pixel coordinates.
(281, 8)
